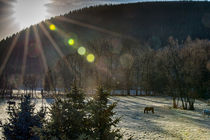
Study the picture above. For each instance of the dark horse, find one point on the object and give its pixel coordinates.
(11, 103)
(146, 109)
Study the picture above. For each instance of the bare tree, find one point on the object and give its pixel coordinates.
(4, 85)
(30, 83)
(26, 84)
(50, 83)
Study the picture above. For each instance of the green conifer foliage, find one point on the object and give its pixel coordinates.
(22, 120)
(102, 121)
(67, 117)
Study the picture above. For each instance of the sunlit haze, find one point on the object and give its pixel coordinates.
(28, 12)
(104, 69)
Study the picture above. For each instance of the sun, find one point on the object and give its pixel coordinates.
(29, 12)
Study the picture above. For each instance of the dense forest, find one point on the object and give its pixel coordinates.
(150, 23)
(157, 46)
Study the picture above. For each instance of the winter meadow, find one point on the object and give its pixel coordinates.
(95, 70)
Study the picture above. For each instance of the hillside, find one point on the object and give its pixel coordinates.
(150, 23)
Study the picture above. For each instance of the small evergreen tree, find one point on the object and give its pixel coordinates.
(22, 120)
(101, 118)
(67, 117)
(72, 118)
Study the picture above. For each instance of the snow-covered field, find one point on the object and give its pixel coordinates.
(166, 123)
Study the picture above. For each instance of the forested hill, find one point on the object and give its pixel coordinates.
(148, 22)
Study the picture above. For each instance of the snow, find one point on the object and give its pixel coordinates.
(165, 123)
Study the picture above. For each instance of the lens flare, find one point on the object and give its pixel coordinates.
(52, 27)
(71, 42)
(90, 58)
(81, 51)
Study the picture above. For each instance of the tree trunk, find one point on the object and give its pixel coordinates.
(128, 91)
(182, 102)
(174, 102)
(191, 104)
(185, 103)
(136, 91)
(177, 103)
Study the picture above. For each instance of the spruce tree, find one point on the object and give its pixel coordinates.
(102, 118)
(22, 120)
(67, 117)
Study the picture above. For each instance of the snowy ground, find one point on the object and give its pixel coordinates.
(166, 123)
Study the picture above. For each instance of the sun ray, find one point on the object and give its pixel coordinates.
(72, 21)
(55, 45)
(25, 52)
(89, 26)
(39, 45)
(9, 53)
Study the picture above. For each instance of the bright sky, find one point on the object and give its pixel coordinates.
(27, 12)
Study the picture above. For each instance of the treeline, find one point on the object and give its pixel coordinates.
(148, 21)
(181, 70)
(28, 83)
(75, 117)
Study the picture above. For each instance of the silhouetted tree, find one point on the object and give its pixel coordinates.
(50, 81)
(102, 118)
(22, 120)
(4, 85)
(67, 117)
